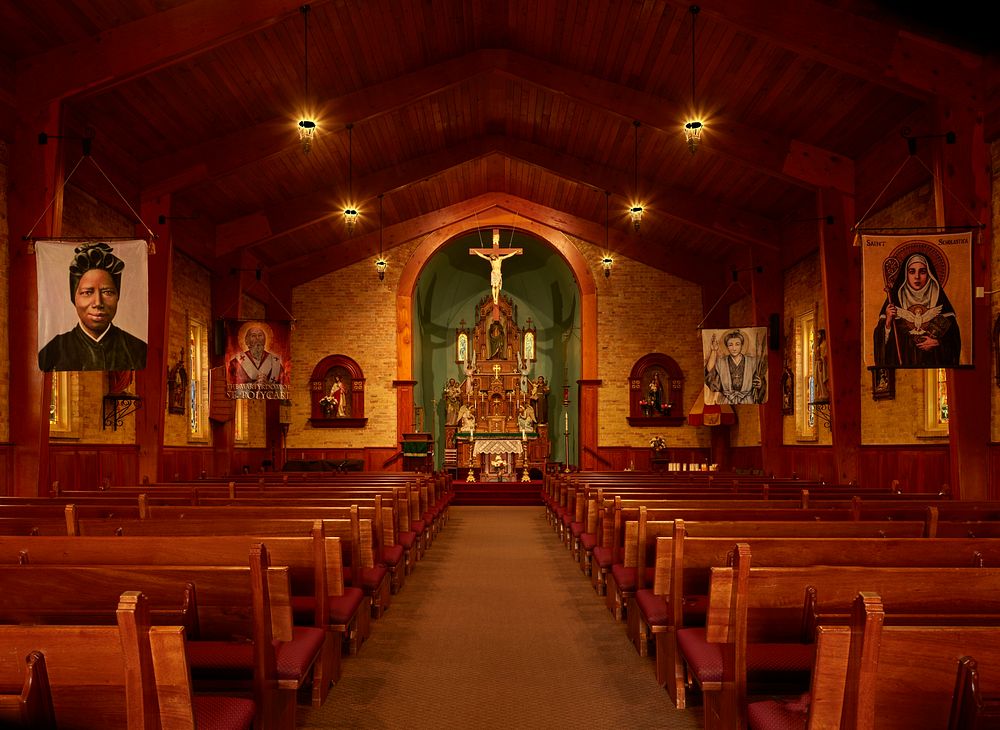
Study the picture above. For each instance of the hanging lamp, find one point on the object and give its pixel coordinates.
(693, 127)
(607, 262)
(350, 212)
(635, 212)
(380, 262)
(307, 126)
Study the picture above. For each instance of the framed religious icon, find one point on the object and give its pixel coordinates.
(883, 383)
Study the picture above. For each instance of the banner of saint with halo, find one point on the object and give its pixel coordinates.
(258, 359)
(918, 300)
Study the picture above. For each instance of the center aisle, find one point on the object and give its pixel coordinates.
(497, 628)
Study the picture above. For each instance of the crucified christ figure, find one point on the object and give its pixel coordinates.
(495, 256)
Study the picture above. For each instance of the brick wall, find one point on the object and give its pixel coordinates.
(803, 293)
(641, 310)
(190, 297)
(348, 312)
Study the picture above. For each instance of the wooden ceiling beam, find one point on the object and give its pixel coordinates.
(858, 45)
(792, 161)
(285, 217)
(227, 154)
(131, 50)
(484, 208)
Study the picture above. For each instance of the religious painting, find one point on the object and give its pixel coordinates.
(92, 305)
(462, 346)
(787, 391)
(177, 383)
(918, 300)
(883, 383)
(258, 359)
(336, 401)
(735, 365)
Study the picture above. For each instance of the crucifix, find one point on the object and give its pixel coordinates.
(495, 256)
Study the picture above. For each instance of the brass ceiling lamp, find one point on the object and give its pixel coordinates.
(607, 262)
(694, 126)
(350, 212)
(380, 262)
(635, 212)
(307, 126)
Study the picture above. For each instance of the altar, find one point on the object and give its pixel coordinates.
(496, 422)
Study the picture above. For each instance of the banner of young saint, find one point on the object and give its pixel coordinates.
(258, 359)
(92, 305)
(735, 365)
(918, 300)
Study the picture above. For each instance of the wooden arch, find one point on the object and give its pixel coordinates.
(582, 272)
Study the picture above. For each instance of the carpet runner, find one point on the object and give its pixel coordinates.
(497, 493)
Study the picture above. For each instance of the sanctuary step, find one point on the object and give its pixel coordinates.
(497, 493)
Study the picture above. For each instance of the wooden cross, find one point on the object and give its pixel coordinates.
(495, 256)
(496, 372)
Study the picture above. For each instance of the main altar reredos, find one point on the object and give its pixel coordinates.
(497, 424)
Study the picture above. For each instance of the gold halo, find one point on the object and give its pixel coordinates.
(259, 324)
(916, 245)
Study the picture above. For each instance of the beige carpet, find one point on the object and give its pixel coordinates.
(497, 628)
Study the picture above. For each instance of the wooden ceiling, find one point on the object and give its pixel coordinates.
(517, 108)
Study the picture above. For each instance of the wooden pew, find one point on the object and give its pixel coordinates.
(31, 707)
(877, 674)
(355, 536)
(239, 613)
(971, 709)
(110, 677)
(314, 562)
(624, 578)
(764, 617)
(683, 564)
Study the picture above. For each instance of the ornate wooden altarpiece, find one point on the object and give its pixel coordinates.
(493, 393)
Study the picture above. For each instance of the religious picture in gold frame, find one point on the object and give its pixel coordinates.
(462, 347)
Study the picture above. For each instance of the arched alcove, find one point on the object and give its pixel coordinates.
(421, 378)
(656, 372)
(337, 393)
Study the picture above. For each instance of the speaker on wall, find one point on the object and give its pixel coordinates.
(774, 332)
(219, 338)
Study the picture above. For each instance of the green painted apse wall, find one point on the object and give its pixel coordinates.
(542, 287)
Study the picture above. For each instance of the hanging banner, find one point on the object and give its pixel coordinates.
(735, 365)
(258, 359)
(918, 300)
(92, 305)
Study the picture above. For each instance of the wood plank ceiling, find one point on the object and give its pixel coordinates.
(458, 107)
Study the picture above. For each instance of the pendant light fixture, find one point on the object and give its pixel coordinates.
(380, 262)
(694, 127)
(307, 126)
(636, 210)
(350, 212)
(607, 262)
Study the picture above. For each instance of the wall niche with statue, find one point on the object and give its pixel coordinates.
(337, 393)
(656, 392)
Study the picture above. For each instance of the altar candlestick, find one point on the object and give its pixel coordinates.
(567, 421)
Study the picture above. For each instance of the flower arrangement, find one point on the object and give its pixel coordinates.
(657, 443)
